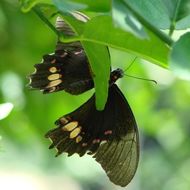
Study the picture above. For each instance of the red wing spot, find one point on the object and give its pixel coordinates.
(108, 132)
(96, 141)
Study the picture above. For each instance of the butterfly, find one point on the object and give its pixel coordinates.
(111, 135)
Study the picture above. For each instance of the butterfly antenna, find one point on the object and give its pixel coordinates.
(150, 80)
(130, 64)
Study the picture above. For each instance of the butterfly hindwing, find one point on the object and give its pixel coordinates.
(120, 158)
(67, 68)
(110, 135)
(63, 70)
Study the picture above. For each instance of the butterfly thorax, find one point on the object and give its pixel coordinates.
(115, 75)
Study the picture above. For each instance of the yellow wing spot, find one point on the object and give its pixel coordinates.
(78, 139)
(53, 69)
(75, 132)
(54, 76)
(54, 83)
(63, 120)
(70, 126)
(52, 89)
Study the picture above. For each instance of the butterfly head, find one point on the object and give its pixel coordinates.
(116, 74)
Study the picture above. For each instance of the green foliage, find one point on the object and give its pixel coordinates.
(177, 10)
(130, 26)
(180, 57)
(123, 18)
(72, 5)
(27, 5)
(162, 110)
(162, 13)
(152, 49)
(99, 59)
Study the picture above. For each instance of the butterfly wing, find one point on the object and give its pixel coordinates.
(120, 158)
(66, 69)
(111, 135)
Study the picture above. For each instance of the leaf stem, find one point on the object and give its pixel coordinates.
(46, 21)
(173, 21)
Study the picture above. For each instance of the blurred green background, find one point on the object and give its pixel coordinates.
(162, 112)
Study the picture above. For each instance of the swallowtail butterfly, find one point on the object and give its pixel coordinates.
(110, 135)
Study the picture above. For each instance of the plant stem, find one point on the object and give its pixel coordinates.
(173, 21)
(46, 21)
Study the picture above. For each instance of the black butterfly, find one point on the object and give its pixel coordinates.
(111, 135)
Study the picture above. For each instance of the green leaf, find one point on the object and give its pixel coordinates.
(183, 23)
(152, 10)
(125, 19)
(162, 12)
(101, 30)
(43, 15)
(99, 59)
(180, 57)
(76, 25)
(27, 5)
(73, 5)
(146, 23)
(68, 6)
(177, 9)
(184, 9)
